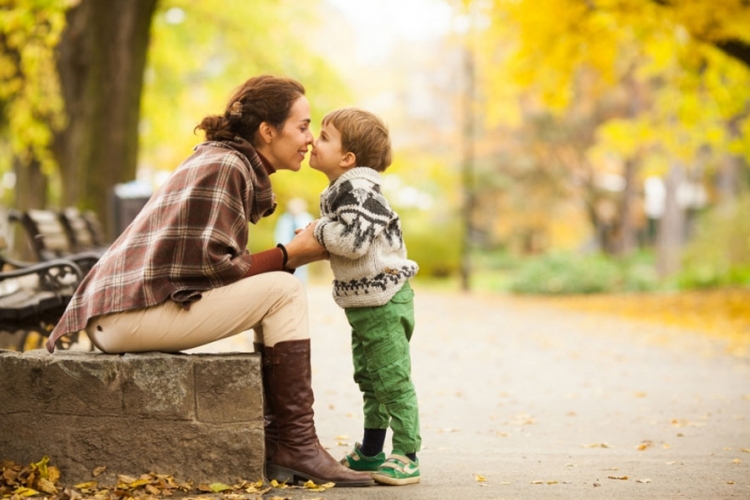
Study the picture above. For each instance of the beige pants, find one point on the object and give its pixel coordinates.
(273, 304)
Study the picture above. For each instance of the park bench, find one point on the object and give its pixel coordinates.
(49, 239)
(33, 297)
(84, 231)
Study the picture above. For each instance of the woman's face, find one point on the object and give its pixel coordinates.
(288, 146)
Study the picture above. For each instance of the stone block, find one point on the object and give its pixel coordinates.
(158, 385)
(196, 417)
(228, 388)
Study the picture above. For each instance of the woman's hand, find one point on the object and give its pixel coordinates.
(304, 248)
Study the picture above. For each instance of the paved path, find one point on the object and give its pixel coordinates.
(540, 402)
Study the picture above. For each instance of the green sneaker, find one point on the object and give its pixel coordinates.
(356, 460)
(398, 470)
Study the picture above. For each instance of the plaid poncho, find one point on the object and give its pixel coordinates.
(190, 237)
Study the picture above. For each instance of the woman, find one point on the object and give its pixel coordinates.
(180, 275)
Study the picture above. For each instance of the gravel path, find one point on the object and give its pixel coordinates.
(521, 400)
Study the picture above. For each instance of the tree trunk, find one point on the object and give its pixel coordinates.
(102, 56)
(467, 168)
(30, 192)
(628, 239)
(671, 235)
(31, 185)
(729, 177)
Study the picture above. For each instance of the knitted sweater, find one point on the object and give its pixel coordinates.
(363, 237)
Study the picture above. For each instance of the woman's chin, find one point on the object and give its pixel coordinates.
(295, 167)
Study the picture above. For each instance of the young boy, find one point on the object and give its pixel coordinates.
(363, 237)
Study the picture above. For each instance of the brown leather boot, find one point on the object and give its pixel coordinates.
(269, 419)
(298, 455)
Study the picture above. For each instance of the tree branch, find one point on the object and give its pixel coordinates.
(735, 48)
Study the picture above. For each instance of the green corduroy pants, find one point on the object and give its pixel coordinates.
(382, 367)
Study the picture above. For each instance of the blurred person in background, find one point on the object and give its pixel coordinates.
(296, 218)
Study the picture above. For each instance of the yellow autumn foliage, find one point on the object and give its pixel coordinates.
(29, 85)
(721, 313)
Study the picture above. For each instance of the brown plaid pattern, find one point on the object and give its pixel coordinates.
(190, 237)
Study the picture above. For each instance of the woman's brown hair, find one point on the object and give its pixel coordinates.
(260, 99)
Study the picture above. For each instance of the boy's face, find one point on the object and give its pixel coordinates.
(327, 155)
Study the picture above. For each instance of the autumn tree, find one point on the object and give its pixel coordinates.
(660, 49)
(31, 109)
(101, 59)
(88, 95)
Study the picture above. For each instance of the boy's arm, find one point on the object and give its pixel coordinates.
(358, 218)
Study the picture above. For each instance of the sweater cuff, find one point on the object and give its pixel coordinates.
(266, 262)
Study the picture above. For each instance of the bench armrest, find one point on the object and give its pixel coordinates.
(53, 274)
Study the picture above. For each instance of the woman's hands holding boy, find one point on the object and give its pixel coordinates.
(304, 248)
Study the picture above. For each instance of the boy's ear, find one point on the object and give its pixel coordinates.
(267, 132)
(349, 160)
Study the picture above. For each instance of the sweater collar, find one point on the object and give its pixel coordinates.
(367, 173)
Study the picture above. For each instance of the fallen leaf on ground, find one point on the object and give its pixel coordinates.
(596, 445)
(25, 492)
(310, 485)
(125, 479)
(47, 486)
(621, 478)
(643, 481)
(480, 479)
(219, 487)
(86, 486)
(644, 445)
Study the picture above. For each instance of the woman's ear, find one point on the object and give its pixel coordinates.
(266, 132)
(348, 160)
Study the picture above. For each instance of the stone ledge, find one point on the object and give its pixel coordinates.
(195, 416)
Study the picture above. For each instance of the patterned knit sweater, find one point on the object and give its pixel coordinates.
(364, 239)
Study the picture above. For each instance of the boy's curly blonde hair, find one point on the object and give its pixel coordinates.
(364, 134)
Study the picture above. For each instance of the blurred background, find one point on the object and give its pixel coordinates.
(563, 147)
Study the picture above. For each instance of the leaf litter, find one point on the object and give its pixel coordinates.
(18, 482)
